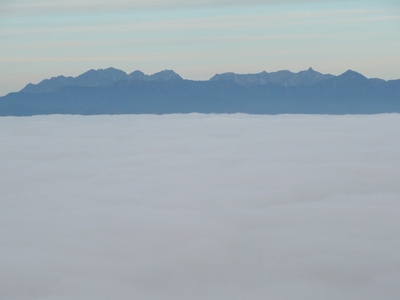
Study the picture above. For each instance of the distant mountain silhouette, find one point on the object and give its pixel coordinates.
(99, 77)
(285, 78)
(112, 91)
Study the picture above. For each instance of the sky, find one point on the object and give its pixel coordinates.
(200, 207)
(197, 39)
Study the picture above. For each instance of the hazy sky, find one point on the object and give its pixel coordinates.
(41, 39)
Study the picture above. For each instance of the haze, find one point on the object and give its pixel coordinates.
(197, 39)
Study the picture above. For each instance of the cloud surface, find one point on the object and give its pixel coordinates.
(200, 207)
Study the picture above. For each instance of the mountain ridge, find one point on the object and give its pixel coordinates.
(110, 75)
(112, 91)
(98, 77)
(283, 77)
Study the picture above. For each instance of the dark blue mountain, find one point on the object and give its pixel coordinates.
(285, 78)
(99, 77)
(112, 91)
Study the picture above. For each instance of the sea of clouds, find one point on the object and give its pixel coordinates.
(200, 207)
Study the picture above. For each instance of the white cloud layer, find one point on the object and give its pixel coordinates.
(200, 207)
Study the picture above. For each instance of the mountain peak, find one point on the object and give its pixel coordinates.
(165, 75)
(100, 77)
(137, 75)
(350, 74)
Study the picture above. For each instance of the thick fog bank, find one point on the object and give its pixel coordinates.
(200, 207)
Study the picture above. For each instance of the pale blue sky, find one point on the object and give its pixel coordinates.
(41, 39)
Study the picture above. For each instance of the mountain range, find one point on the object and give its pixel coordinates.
(112, 91)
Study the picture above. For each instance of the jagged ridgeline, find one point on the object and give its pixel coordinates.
(112, 91)
(102, 77)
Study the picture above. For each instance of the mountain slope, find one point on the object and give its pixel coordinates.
(99, 77)
(285, 78)
(112, 91)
